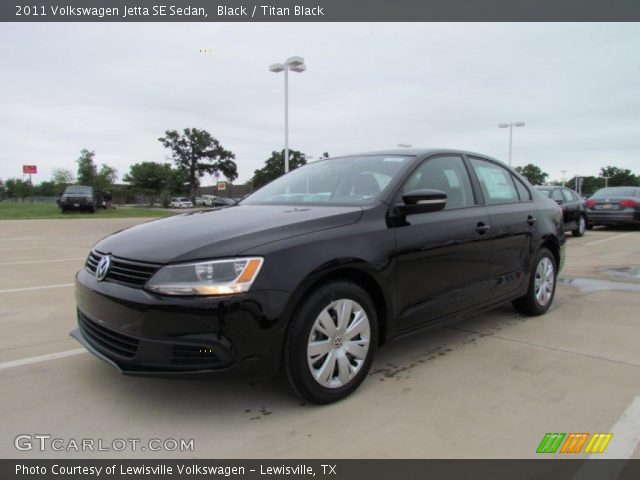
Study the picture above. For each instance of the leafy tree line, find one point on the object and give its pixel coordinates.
(194, 153)
(88, 174)
(609, 176)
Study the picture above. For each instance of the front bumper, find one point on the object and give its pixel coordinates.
(614, 217)
(141, 333)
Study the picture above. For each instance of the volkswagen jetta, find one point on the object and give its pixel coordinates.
(311, 273)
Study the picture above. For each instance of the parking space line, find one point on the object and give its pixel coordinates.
(626, 433)
(24, 248)
(43, 287)
(602, 240)
(41, 261)
(41, 358)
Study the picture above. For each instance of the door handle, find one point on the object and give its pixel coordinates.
(481, 228)
(531, 221)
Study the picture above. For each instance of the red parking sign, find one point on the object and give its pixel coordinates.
(29, 169)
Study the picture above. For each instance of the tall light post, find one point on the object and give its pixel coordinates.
(510, 127)
(295, 64)
(606, 181)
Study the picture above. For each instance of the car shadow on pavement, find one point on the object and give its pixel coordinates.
(396, 361)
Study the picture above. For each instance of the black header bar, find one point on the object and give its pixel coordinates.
(320, 11)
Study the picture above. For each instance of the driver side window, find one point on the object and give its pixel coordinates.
(447, 174)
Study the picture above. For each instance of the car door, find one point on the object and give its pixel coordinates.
(556, 196)
(571, 207)
(442, 257)
(512, 221)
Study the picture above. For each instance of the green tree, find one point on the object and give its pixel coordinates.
(62, 177)
(18, 188)
(197, 152)
(105, 178)
(533, 173)
(150, 175)
(618, 177)
(589, 184)
(274, 167)
(87, 170)
(46, 189)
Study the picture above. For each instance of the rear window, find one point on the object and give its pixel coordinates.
(616, 192)
(546, 192)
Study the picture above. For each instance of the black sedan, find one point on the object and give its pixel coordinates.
(615, 206)
(311, 273)
(574, 208)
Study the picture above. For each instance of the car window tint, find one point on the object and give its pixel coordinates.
(496, 182)
(616, 192)
(557, 195)
(545, 191)
(568, 196)
(447, 174)
(523, 191)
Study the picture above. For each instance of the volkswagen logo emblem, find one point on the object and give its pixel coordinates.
(103, 267)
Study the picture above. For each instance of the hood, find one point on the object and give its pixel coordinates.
(222, 233)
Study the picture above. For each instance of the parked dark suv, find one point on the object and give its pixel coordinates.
(311, 273)
(574, 208)
(78, 197)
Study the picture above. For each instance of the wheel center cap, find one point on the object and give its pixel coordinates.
(337, 342)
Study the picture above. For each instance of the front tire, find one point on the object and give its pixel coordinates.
(542, 285)
(331, 342)
(581, 228)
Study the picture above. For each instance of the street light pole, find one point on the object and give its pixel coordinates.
(295, 64)
(286, 120)
(510, 126)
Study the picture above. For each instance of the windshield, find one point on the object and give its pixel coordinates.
(339, 181)
(79, 190)
(615, 192)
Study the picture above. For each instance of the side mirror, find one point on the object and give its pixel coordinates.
(559, 202)
(422, 201)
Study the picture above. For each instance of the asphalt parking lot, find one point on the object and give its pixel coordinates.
(489, 387)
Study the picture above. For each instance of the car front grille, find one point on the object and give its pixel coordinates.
(107, 339)
(126, 272)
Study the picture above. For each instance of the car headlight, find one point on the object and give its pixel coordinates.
(216, 277)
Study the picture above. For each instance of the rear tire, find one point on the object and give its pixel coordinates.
(581, 228)
(542, 285)
(331, 342)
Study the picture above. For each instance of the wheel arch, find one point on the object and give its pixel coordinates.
(356, 272)
(552, 244)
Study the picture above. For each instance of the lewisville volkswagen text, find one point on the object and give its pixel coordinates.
(311, 273)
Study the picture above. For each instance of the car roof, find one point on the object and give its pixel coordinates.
(417, 152)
